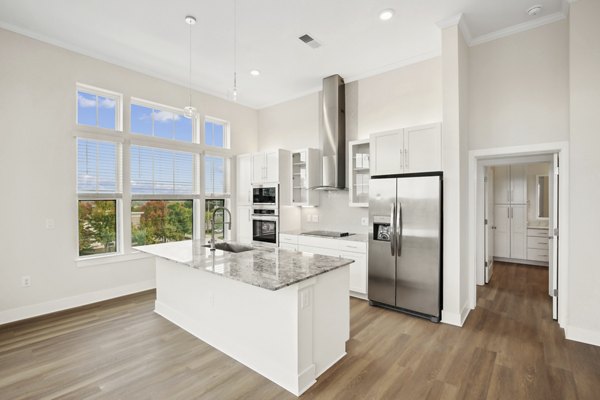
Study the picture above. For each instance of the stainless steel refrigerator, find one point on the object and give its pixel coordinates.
(405, 245)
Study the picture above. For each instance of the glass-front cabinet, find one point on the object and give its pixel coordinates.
(306, 173)
(359, 172)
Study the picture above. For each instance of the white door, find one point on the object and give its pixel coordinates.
(386, 153)
(553, 235)
(518, 231)
(244, 180)
(502, 184)
(272, 166)
(258, 168)
(423, 148)
(489, 223)
(502, 231)
(518, 184)
(244, 224)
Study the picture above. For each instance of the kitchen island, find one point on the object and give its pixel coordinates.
(282, 313)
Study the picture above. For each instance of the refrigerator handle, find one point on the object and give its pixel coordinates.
(393, 226)
(399, 228)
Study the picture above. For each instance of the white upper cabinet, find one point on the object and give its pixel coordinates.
(423, 148)
(510, 184)
(518, 184)
(414, 149)
(386, 150)
(272, 166)
(502, 184)
(259, 168)
(244, 180)
(306, 173)
(359, 172)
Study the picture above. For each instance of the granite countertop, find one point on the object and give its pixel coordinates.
(266, 267)
(352, 237)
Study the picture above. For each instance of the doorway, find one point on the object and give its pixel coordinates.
(507, 214)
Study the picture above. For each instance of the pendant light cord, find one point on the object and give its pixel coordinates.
(190, 69)
(235, 47)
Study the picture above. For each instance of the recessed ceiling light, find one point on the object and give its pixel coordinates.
(535, 10)
(386, 15)
(255, 72)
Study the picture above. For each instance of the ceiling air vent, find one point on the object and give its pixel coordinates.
(310, 41)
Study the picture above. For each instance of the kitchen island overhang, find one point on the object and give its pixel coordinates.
(284, 314)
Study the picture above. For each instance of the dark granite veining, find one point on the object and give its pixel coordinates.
(266, 267)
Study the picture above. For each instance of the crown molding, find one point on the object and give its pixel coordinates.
(457, 20)
(451, 21)
(118, 62)
(525, 26)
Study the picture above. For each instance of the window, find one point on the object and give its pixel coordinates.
(98, 191)
(215, 182)
(98, 108)
(165, 183)
(216, 189)
(162, 187)
(216, 133)
(160, 221)
(162, 123)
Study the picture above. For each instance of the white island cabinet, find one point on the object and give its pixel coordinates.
(284, 314)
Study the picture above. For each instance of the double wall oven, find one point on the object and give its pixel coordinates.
(265, 214)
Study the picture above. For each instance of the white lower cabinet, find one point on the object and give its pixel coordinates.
(356, 251)
(537, 245)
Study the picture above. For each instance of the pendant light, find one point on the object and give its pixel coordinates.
(234, 94)
(189, 110)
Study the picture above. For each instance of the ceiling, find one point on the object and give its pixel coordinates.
(151, 36)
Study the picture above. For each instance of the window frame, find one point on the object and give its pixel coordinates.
(117, 97)
(226, 132)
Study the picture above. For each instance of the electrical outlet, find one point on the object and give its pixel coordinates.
(50, 223)
(211, 299)
(364, 221)
(315, 218)
(26, 281)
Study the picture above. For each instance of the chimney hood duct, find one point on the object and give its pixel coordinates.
(332, 134)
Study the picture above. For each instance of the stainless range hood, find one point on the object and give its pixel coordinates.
(332, 134)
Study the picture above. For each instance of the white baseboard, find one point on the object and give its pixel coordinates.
(35, 310)
(456, 319)
(582, 335)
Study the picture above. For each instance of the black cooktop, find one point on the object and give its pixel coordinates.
(332, 234)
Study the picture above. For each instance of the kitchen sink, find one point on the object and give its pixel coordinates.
(230, 247)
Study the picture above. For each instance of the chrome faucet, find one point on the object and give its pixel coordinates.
(212, 223)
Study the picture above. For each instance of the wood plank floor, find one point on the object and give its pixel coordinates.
(508, 349)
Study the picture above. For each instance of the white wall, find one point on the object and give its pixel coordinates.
(519, 88)
(584, 277)
(37, 171)
(407, 96)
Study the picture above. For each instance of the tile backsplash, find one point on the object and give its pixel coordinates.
(334, 214)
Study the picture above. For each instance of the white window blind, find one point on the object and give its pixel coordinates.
(215, 176)
(97, 167)
(157, 171)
